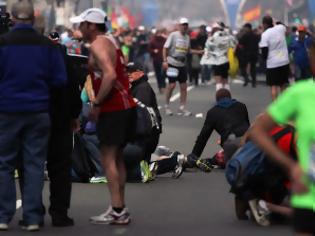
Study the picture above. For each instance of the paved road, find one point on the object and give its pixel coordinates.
(195, 204)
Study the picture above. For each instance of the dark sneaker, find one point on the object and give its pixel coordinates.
(204, 165)
(191, 161)
(61, 221)
(110, 217)
(241, 207)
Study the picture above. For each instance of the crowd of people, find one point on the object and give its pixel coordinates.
(92, 87)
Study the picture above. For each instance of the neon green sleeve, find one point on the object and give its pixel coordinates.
(285, 106)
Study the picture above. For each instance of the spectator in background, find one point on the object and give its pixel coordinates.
(156, 49)
(128, 47)
(275, 51)
(194, 59)
(299, 48)
(249, 44)
(142, 48)
(65, 108)
(202, 39)
(216, 54)
(33, 64)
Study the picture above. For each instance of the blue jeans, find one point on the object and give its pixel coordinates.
(94, 153)
(205, 73)
(24, 139)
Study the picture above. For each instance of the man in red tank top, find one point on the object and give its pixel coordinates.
(113, 109)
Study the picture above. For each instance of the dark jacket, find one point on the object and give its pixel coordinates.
(30, 65)
(142, 90)
(227, 117)
(65, 103)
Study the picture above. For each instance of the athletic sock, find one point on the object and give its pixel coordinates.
(218, 86)
(227, 86)
(118, 209)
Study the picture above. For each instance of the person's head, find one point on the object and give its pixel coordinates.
(302, 32)
(183, 25)
(92, 22)
(248, 27)
(135, 71)
(267, 22)
(23, 12)
(203, 29)
(222, 93)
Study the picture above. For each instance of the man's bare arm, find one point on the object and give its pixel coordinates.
(103, 51)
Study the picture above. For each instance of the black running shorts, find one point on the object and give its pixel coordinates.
(221, 70)
(278, 76)
(116, 128)
(182, 75)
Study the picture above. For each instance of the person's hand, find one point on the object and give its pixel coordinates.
(165, 65)
(156, 51)
(75, 125)
(94, 113)
(297, 176)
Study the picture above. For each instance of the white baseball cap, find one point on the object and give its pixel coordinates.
(92, 15)
(183, 20)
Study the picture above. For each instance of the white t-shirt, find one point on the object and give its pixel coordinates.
(274, 39)
(178, 46)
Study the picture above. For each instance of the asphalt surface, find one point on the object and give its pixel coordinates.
(195, 204)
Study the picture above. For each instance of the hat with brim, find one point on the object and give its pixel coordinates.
(183, 21)
(92, 15)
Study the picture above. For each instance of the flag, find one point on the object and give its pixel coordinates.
(252, 14)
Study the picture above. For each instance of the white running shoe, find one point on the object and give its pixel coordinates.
(30, 228)
(168, 111)
(260, 216)
(4, 227)
(179, 169)
(183, 112)
(110, 217)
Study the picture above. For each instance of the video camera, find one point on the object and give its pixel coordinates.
(5, 22)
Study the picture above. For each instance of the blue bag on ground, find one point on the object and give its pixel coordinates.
(247, 162)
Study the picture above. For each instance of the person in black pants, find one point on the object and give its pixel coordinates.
(144, 145)
(65, 107)
(248, 44)
(228, 117)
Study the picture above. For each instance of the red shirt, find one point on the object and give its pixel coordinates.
(119, 98)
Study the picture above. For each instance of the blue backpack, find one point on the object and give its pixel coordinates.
(249, 161)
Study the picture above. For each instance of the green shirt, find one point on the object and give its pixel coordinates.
(297, 104)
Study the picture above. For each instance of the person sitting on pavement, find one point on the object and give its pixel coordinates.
(143, 145)
(229, 118)
(294, 105)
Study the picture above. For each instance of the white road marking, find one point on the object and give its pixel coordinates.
(18, 203)
(199, 115)
(177, 95)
